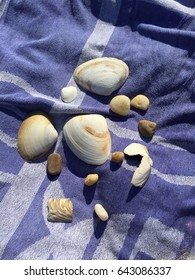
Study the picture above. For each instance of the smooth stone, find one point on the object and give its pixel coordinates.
(101, 212)
(68, 94)
(117, 157)
(91, 179)
(146, 128)
(120, 105)
(54, 164)
(140, 102)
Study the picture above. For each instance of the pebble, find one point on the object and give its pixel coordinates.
(140, 102)
(91, 179)
(68, 94)
(54, 164)
(101, 212)
(117, 157)
(120, 105)
(146, 128)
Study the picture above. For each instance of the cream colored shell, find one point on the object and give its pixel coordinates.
(60, 210)
(120, 105)
(88, 138)
(36, 136)
(101, 75)
(101, 212)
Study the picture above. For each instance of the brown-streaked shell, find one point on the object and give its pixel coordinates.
(101, 75)
(36, 136)
(88, 138)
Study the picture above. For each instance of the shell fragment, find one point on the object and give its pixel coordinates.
(101, 75)
(68, 94)
(60, 210)
(143, 171)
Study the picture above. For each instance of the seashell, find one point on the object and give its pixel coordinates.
(143, 171)
(147, 128)
(135, 149)
(68, 94)
(101, 212)
(88, 138)
(140, 102)
(54, 164)
(120, 105)
(60, 210)
(36, 136)
(117, 157)
(101, 75)
(91, 179)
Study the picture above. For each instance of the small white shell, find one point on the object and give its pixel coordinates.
(101, 212)
(36, 136)
(101, 75)
(88, 138)
(60, 210)
(143, 171)
(68, 94)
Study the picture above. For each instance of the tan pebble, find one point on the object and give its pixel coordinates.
(120, 105)
(117, 157)
(101, 212)
(91, 179)
(147, 128)
(140, 102)
(54, 164)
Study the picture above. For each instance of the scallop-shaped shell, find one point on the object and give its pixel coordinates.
(60, 210)
(36, 136)
(88, 138)
(101, 75)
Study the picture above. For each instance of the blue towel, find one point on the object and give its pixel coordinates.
(41, 44)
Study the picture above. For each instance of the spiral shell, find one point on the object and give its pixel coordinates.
(88, 138)
(60, 210)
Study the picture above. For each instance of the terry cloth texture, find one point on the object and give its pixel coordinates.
(41, 43)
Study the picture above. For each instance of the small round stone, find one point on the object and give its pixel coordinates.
(91, 179)
(147, 128)
(120, 105)
(54, 164)
(117, 157)
(141, 102)
(101, 212)
(68, 94)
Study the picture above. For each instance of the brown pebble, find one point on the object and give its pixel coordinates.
(117, 157)
(91, 179)
(54, 164)
(147, 128)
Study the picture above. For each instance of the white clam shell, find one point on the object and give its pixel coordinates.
(36, 136)
(143, 171)
(88, 138)
(68, 94)
(101, 212)
(101, 75)
(60, 210)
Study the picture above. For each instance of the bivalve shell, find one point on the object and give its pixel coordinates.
(120, 105)
(60, 210)
(88, 138)
(68, 94)
(101, 212)
(101, 75)
(36, 136)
